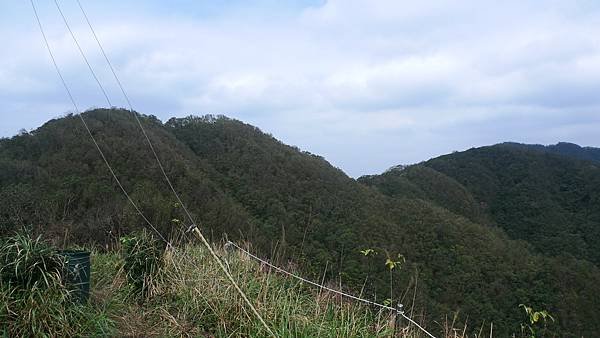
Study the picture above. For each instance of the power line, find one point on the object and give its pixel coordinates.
(341, 293)
(162, 169)
(114, 73)
(83, 54)
(194, 228)
(89, 132)
(130, 106)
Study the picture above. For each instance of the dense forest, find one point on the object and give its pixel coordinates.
(480, 231)
(548, 200)
(563, 148)
(551, 201)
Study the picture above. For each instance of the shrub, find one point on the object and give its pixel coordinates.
(143, 257)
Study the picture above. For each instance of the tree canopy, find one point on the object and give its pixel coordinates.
(463, 222)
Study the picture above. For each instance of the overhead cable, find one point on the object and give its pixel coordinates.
(341, 293)
(162, 169)
(89, 132)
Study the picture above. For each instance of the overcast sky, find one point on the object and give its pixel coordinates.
(366, 84)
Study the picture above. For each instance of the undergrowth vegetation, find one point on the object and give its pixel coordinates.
(35, 302)
(190, 296)
(142, 262)
(142, 289)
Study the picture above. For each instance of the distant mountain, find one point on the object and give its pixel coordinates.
(565, 149)
(551, 201)
(447, 221)
(422, 182)
(534, 193)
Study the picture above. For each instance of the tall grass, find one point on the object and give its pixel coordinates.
(34, 300)
(142, 262)
(191, 297)
(145, 291)
(195, 299)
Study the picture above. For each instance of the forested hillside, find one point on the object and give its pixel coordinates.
(549, 200)
(294, 206)
(543, 195)
(563, 148)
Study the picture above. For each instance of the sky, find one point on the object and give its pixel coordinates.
(366, 84)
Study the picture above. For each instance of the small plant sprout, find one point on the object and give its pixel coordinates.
(391, 265)
(535, 319)
(368, 252)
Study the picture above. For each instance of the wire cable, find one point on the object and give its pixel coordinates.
(195, 228)
(162, 169)
(83, 54)
(89, 132)
(341, 293)
(135, 115)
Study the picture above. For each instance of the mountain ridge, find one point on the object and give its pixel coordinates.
(551, 189)
(241, 182)
(567, 149)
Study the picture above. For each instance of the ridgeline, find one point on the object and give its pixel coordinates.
(481, 231)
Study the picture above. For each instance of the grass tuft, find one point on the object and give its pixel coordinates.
(35, 301)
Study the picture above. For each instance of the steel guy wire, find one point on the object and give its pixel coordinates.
(341, 293)
(89, 132)
(193, 222)
(83, 54)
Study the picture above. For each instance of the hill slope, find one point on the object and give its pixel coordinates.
(538, 194)
(550, 201)
(241, 182)
(425, 183)
(55, 179)
(566, 149)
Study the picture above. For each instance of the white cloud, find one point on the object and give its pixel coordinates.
(437, 76)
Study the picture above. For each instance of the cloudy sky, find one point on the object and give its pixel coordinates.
(367, 84)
